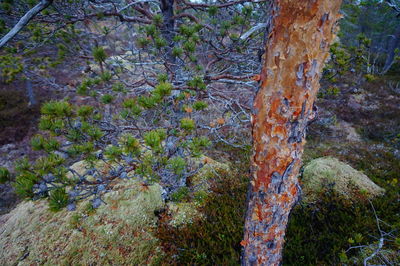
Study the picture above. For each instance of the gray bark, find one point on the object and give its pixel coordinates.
(393, 44)
(168, 30)
(30, 93)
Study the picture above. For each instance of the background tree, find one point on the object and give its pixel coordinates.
(145, 99)
(378, 22)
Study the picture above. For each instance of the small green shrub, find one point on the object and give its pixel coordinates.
(153, 139)
(107, 99)
(163, 89)
(200, 105)
(24, 184)
(4, 175)
(177, 165)
(197, 83)
(99, 54)
(58, 199)
(369, 77)
(188, 124)
(180, 194)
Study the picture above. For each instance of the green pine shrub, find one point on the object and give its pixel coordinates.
(4, 175)
(58, 199)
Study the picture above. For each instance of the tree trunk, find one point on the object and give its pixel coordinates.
(168, 31)
(394, 42)
(298, 46)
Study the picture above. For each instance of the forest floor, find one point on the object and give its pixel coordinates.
(358, 123)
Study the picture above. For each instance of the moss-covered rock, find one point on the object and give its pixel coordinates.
(186, 212)
(330, 172)
(118, 232)
(209, 169)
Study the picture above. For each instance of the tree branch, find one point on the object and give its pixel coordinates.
(192, 18)
(25, 20)
(253, 29)
(201, 5)
(393, 6)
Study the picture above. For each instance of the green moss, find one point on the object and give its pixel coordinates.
(180, 194)
(318, 234)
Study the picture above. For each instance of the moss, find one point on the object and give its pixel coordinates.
(182, 213)
(329, 171)
(216, 229)
(180, 194)
(187, 200)
(119, 232)
(210, 169)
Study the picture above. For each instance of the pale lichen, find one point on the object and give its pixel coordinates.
(330, 172)
(118, 232)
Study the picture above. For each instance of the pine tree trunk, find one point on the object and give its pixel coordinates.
(168, 31)
(297, 48)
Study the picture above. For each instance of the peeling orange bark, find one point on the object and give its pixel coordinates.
(297, 48)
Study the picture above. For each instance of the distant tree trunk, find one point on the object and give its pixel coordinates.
(394, 42)
(168, 30)
(30, 93)
(298, 46)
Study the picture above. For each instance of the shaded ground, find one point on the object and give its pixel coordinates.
(358, 124)
(318, 233)
(19, 118)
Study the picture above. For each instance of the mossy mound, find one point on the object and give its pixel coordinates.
(199, 188)
(330, 172)
(118, 232)
(209, 170)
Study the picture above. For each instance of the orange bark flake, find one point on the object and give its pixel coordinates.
(207, 160)
(293, 190)
(279, 130)
(244, 243)
(259, 211)
(256, 77)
